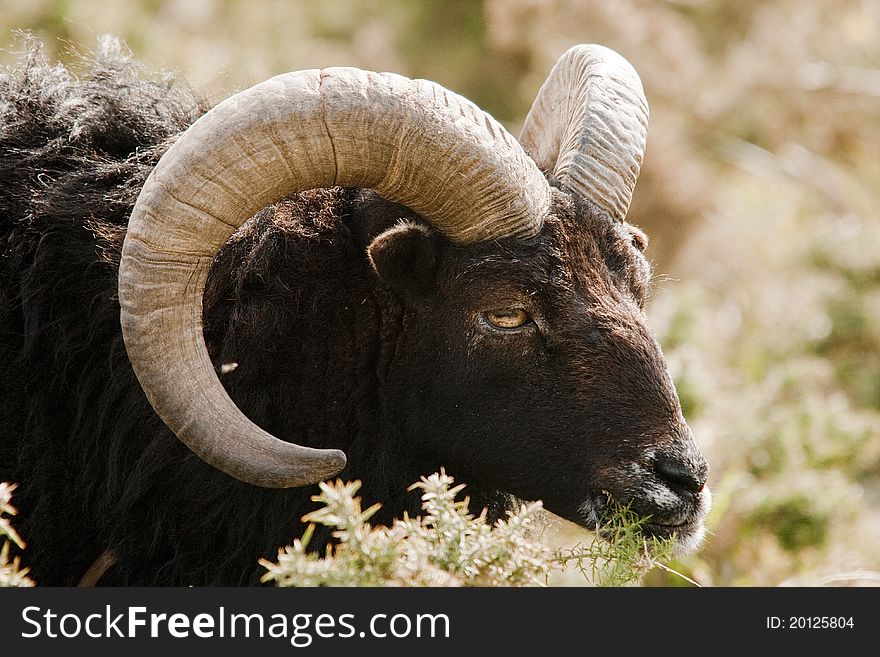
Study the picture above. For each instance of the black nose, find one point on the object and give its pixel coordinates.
(688, 475)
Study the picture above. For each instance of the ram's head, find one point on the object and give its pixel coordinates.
(523, 360)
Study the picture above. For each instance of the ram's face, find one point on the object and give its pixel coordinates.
(527, 367)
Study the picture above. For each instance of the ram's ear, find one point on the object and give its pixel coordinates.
(405, 257)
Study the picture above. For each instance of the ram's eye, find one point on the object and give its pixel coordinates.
(507, 318)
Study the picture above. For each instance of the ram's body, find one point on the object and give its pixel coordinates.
(315, 342)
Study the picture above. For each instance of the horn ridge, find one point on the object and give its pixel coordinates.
(588, 126)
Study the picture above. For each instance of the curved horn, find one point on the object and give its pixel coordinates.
(588, 125)
(411, 140)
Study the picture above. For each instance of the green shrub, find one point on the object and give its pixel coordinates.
(446, 546)
(796, 521)
(449, 546)
(11, 573)
(619, 554)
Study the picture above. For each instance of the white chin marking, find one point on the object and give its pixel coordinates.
(690, 542)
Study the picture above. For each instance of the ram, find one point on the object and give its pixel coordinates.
(333, 273)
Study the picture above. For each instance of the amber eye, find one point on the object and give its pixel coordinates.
(507, 318)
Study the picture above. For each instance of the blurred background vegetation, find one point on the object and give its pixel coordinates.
(760, 191)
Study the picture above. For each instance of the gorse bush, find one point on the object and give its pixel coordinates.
(449, 546)
(446, 546)
(619, 554)
(11, 572)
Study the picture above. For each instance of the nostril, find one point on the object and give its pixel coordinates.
(681, 475)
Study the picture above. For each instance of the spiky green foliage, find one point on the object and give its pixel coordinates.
(11, 572)
(449, 546)
(619, 554)
(446, 546)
